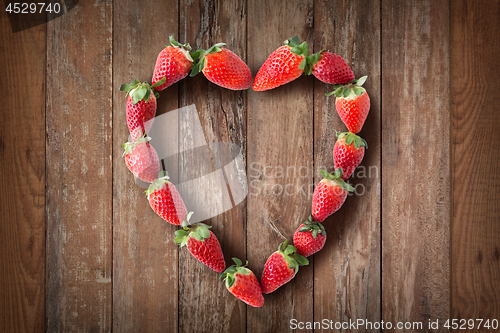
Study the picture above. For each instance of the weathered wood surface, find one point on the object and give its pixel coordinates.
(280, 127)
(475, 247)
(22, 172)
(84, 252)
(204, 302)
(79, 169)
(352, 251)
(415, 162)
(145, 287)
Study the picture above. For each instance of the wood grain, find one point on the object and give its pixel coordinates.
(79, 169)
(204, 302)
(144, 254)
(280, 127)
(415, 161)
(352, 251)
(82, 251)
(476, 182)
(22, 172)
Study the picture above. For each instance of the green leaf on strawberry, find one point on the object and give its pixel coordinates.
(129, 146)
(337, 177)
(198, 231)
(301, 259)
(291, 256)
(313, 226)
(300, 49)
(138, 91)
(353, 88)
(159, 83)
(311, 60)
(361, 80)
(175, 43)
(351, 137)
(201, 54)
(228, 274)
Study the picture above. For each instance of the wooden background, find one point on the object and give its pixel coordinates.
(82, 251)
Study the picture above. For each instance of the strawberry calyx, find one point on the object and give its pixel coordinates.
(158, 183)
(198, 231)
(352, 138)
(176, 44)
(313, 226)
(293, 259)
(200, 54)
(297, 48)
(184, 48)
(129, 146)
(337, 178)
(350, 90)
(311, 60)
(140, 91)
(229, 273)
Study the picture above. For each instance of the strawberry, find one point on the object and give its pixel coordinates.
(283, 65)
(329, 195)
(309, 238)
(141, 106)
(166, 201)
(352, 103)
(242, 283)
(329, 68)
(173, 63)
(348, 153)
(281, 267)
(223, 67)
(141, 158)
(202, 244)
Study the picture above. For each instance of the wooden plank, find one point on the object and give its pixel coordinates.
(415, 161)
(204, 302)
(79, 169)
(352, 252)
(476, 183)
(280, 127)
(22, 172)
(144, 253)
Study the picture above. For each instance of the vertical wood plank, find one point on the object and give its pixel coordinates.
(204, 303)
(279, 159)
(145, 256)
(347, 270)
(22, 172)
(476, 181)
(415, 161)
(79, 169)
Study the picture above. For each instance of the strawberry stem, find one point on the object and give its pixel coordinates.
(201, 54)
(337, 178)
(352, 88)
(129, 146)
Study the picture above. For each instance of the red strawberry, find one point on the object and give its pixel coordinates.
(281, 267)
(329, 195)
(141, 107)
(329, 68)
(166, 201)
(141, 159)
(223, 67)
(173, 63)
(242, 283)
(352, 103)
(202, 244)
(283, 65)
(348, 153)
(309, 238)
